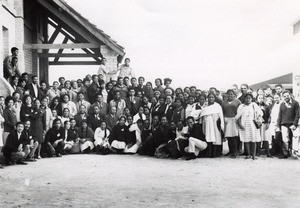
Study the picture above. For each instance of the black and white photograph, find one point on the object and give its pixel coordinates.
(150, 103)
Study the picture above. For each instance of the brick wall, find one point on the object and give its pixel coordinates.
(110, 55)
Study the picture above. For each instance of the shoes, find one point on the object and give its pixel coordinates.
(39, 157)
(1, 166)
(283, 157)
(270, 156)
(30, 159)
(58, 155)
(248, 157)
(192, 156)
(21, 162)
(254, 158)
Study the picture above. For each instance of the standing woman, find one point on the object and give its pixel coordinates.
(179, 112)
(66, 103)
(148, 90)
(73, 91)
(213, 125)
(231, 129)
(48, 113)
(248, 132)
(10, 118)
(55, 104)
(39, 125)
(43, 89)
(159, 87)
(66, 116)
(27, 109)
(264, 130)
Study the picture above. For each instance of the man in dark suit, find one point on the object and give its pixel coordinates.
(197, 142)
(132, 102)
(103, 107)
(94, 119)
(13, 149)
(111, 118)
(169, 108)
(93, 89)
(33, 88)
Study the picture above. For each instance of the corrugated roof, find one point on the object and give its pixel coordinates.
(284, 79)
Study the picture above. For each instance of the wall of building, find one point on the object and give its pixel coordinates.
(10, 36)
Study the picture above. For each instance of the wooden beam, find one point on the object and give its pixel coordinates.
(54, 35)
(69, 55)
(108, 41)
(61, 50)
(77, 41)
(74, 63)
(60, 46)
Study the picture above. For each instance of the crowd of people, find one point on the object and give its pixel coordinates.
(113, 112)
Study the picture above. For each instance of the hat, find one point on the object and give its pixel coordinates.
(167, 80)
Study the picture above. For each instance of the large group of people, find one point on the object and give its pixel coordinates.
(114, 112)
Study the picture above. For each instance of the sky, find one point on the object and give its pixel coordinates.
(198, 42)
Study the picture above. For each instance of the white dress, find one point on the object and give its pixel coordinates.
(99, 136)
(246, 115)
(209, 117)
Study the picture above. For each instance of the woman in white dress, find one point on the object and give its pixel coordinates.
(248, 132)
(101, 139)
(212, 120)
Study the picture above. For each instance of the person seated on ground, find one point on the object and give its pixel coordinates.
(196, 138)
(101, 139)
(73, 133)
(86, 137)
(161, 138)
(139, 115)
(133, 146)
(13, 151)
(111, 118)
(118, 136)
(81, 101)
(31, 143)
(94, 119)
(54, 142)
(81, 115)
(70, 137)
(176, 147)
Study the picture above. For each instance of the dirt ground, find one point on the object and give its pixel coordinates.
(138, 181)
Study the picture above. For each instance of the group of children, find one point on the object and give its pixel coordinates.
(101, 115)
